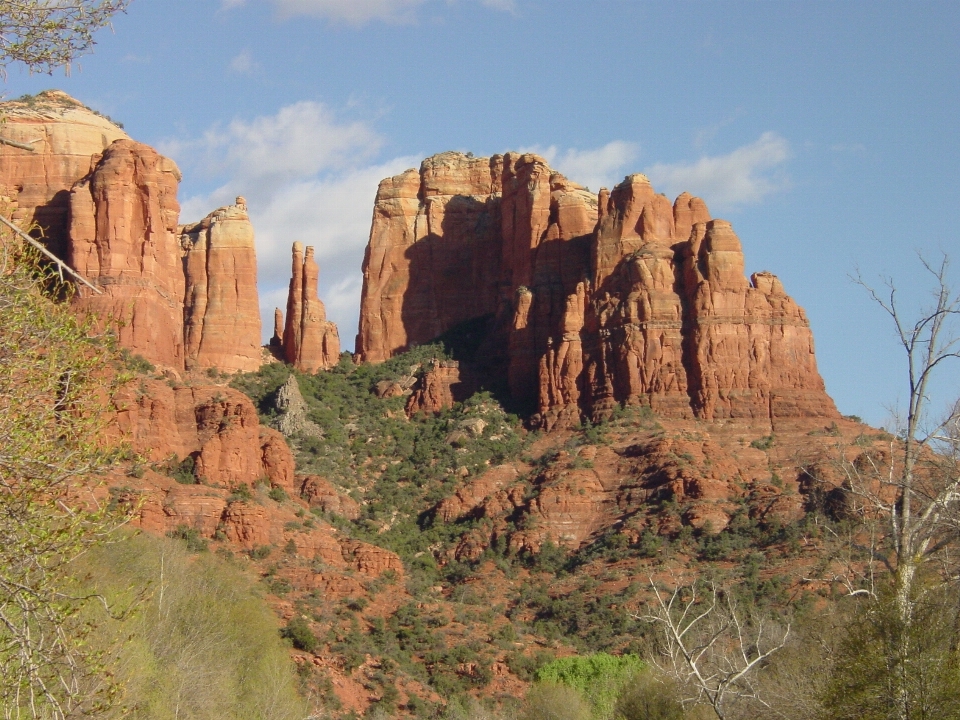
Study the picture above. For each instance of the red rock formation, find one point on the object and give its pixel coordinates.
(593, 301)
(221, 306)
(310, 342)
(217, 426)
(321, 493)
(123, 220)
(437, 389)
(67, 139)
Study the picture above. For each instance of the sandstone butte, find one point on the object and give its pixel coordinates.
(183, 297)
(308, 341)
(586, 301)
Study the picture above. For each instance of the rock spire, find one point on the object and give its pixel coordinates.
(310, 341)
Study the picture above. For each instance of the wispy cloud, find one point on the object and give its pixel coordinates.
(244, 63)
(744, 176)
(307, 176)
(299, 141)
(598, 167)
(360, 12)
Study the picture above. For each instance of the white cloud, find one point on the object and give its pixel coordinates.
(596, 168)
(244, 63)
(359, 12)
(308, 177)
(300, 141)
(744, 176)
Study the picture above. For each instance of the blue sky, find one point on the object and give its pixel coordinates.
(827, 132)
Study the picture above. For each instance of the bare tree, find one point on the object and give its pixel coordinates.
(915, 487)
(710, 646)
(47, 34)
(907, 492)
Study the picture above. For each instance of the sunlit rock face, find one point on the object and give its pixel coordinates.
(221, 305)
(584, 301)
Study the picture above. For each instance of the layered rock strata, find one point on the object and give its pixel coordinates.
(310, 341)
(215, 426)
(589, 301)
(221, 309)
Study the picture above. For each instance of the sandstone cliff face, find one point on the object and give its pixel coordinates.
(66, 138)
(216, 426)
(221, 308)
(122, 237)
(310, 342)
(108, 206)
(591, 301)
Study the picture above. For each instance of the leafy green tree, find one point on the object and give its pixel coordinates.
(887, 668)
(47, 34)
(54, 378)
(598, 677)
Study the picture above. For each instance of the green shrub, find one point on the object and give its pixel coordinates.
(277, 494)
(648, 697)
(598, 677)
(299, 633)
(549, 701)
(261, 552)
(202, 644)
(191, 536)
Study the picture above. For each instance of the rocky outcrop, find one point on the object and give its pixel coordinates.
(122, 237)
(321, 493)
(67, 139)
(438, 388)
(292, 418)
(310, 342)
(216, 427)
(587, 302)
(221, 306)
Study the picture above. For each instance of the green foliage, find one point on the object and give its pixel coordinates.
(649, 697)
(299, 633)
(202, 644)
(53, 376)
(183, 471)
(599, 677)
(404, 466)
(241, 493)
(47, 35)
(887, 668)
(277, 494)
(764, 443)
(191, 537)
(547, 701)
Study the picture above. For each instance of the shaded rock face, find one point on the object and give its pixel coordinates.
(221, 308)
(589, 302)
(67, 139)
(310, 342)
(122, 237)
